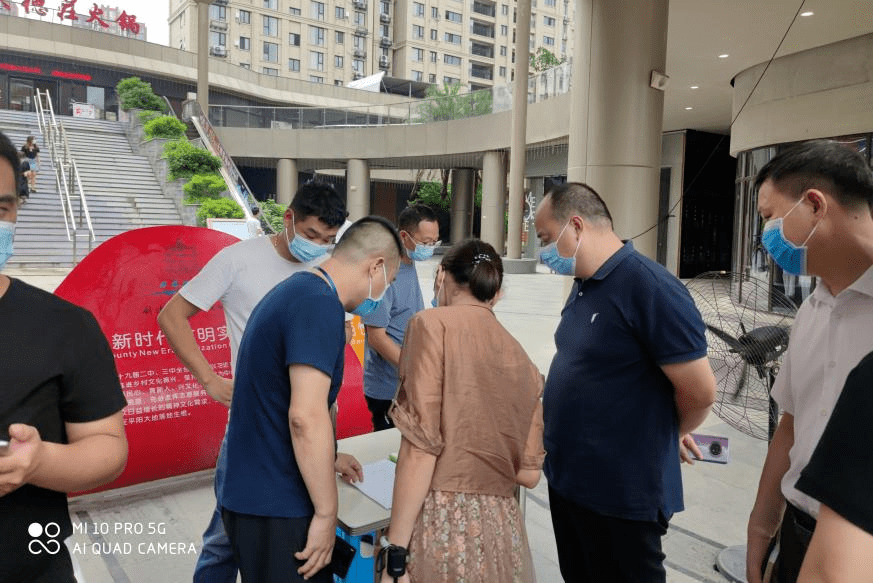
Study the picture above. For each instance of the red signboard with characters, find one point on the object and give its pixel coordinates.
(172, 425)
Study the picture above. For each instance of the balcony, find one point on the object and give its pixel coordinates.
(482, 71)
(216, 24)
(383, 62)
(360, 54)
(385, 43)
(385, 18)
(361, 31)
(484, 9)
(482, 50)
(360, 4)
(218, 51)
(482, 29)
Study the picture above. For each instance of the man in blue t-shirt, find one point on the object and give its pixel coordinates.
(279, 495)
(629, 381)
(420, 233)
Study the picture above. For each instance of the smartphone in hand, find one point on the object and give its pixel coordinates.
(713, 449)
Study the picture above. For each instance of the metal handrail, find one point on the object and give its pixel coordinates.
(67, 175)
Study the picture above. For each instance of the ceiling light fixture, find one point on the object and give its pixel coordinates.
(695, 87)
(689, 108)
(809, 13)
(724, 56)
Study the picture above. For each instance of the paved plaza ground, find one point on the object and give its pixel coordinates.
(718, 498)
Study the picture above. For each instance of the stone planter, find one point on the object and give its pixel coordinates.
(189, 213)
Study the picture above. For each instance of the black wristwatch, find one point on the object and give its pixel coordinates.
(392, 558)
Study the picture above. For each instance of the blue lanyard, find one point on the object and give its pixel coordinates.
(329, 279)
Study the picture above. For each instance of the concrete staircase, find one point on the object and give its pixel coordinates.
(120, 187)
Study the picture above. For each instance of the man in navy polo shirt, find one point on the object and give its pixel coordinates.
(630, 377)
(278, 493)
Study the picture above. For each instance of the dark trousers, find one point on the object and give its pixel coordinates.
(794, 536)
(379, 410)
(596, 548)
(264, 547)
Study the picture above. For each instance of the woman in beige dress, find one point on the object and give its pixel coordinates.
(469, 410)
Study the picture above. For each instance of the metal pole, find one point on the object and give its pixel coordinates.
(519, 127)
(203, 55)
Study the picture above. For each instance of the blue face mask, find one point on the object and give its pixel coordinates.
(7, 234)
(555, 261)
(435, 302)
(421, 252)
(303, 249)
(369, 305)
(790, 257)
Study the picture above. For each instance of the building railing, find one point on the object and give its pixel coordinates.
(67, 178)
(541, 87)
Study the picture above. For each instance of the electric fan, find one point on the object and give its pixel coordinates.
(747, 329)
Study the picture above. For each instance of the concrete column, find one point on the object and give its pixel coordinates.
(617, 148)
(493, 200)
(358, 185)
(286, 180)
(536, 186)
(462, 203)
(203, 55)
(519, 127)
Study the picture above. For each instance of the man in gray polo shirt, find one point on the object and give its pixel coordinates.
(419, 231)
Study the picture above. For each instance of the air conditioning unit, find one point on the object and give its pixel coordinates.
(385, 18)
(218, 24)
(359, 54)
(360, 4)
(218, 51)
(385, 42)
(236, 43)
(383, 62)
(357, 76)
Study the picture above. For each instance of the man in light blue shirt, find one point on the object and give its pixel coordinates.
(419, 232)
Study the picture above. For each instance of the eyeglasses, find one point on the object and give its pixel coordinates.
(434, 244)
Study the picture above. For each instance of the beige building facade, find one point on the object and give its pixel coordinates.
(469, 42)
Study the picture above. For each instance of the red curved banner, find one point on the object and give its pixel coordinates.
(172, 425)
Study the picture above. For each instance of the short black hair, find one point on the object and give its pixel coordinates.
(414, 214)
(319, 199)
(576, 198)
(10, 153)
(823, 164)
(360, 234)
(476, 264)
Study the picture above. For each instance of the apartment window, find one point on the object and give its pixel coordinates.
(549, 41)
(316, 60)
(417, 31)
(452, 60)
(271, 52)
(316, 10)
(245, 43)
(271, 26)
(434, 35)
(340, 37)
(338, 82)
(549, 2)
(418, 55)
(433, 56)
(533, 20)
(384, 30)
(340, 13)
(417, 75)
(271, 4)
(294, 39)
(548, 21)
(360, 18)
(270, 71)
(532, 42)
(217, 39)
(504, 30)
(294, 11)
(502, 51)
(217, 12)
(316, 79)
(293, 64)
(358, 66)
(451, 80)
(431, 78)
(245, 17)
(435, 12)
(453, 16)
(338, 62)
(316, 36)
(502, 71)
(504, 9)
(358, 43)
(455, 39)
(384, 7)
(418, 9)
(563, 47)
(384, 52)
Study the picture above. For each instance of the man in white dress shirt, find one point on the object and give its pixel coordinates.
(816, 199)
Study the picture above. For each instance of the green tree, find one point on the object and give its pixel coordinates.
(185, 160)
(164, 126)
(203, 187)
(430, 193)
(544, 59)
(447, 103)
(274, 213)
(218, 208)
(134, 93)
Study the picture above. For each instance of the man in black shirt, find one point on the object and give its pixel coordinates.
(60, 412)
(840, 476)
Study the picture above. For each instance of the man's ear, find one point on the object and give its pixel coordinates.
(818, 200)
(577, 223)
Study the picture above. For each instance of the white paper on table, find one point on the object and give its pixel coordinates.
(378, 482)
